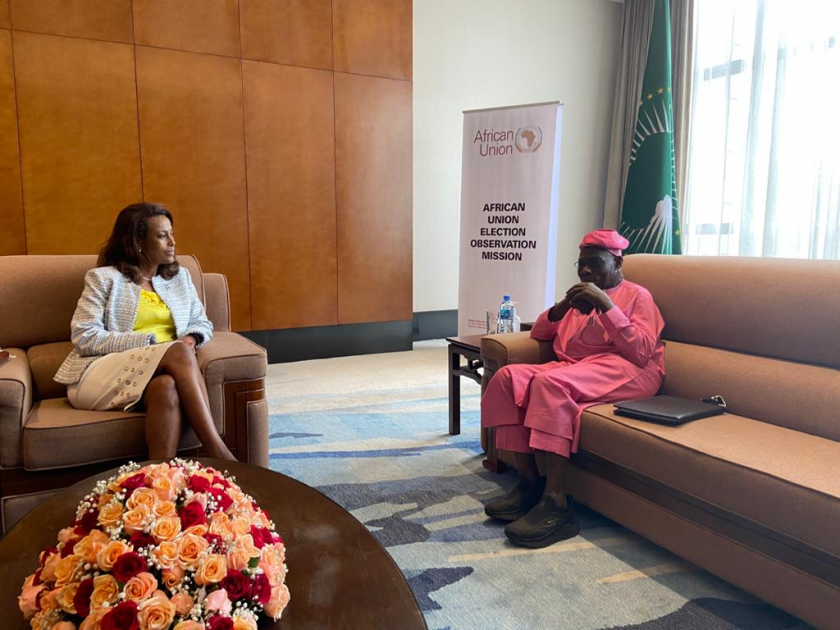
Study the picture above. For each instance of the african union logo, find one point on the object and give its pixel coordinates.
(528, 139)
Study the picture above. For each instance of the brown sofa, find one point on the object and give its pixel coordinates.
(752, 496)
(45, 444)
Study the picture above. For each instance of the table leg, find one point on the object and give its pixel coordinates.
(454, 392)
(492, 462)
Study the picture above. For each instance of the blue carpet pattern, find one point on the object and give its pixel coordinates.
(385, 455)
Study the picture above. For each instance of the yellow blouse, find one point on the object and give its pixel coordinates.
(153, 316)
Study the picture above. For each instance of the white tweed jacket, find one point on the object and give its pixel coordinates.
(104, 319)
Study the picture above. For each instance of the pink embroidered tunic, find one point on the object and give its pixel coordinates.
(607, 357)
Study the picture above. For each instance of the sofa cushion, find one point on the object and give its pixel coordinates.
(765, 306)
(782, 479)
(44, 361)
(58, 436)
(792, 395)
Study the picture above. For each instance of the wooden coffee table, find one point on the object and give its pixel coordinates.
(339, 575)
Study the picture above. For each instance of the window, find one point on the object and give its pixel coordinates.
(764, 139)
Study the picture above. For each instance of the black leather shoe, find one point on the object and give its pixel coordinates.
(517, 503)
(544, 525)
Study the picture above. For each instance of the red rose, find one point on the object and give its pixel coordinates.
(122, 617)
(128, 565)
(134, 482)
(236, 584)
(192, 514)
(81, 600)
(87, 522)
(218, 622)
(221, 481)
(45, 554)
(260, 589)
(68, 547)
(139, 540)
(197, 483)
(256, 534)
(36, 579)
(222, 499)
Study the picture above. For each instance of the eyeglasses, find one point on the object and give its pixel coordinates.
(593, 263)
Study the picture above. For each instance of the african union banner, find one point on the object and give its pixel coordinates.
(509, 197)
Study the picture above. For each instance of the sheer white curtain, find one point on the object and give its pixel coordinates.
(764, 145)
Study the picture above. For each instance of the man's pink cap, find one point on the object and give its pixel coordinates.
(610, 240)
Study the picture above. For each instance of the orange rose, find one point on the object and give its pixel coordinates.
(90, 545)
(156, 613)
(244, 623)
(69, 625)
(48, 572)
(105, 591)
(116, 485)
(163, 488)
(196, 530)
(110, 514)
(140, 587)
(65, 597)
(108, 555)
(277, 602)
(179, 480)
(166, 554)
(142, 496)
(156, 471)
(49, 600)
(164, 508)
(190, 547)
(211, 570)
(66, 569)
(238, 558)
(166, 528)
(93, 620)
(241, 526)
(135, 520)
(172, 577)
(183, 603)
(189, 625)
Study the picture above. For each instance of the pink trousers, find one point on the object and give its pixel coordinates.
(538, 407)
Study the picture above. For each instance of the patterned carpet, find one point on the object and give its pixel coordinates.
(371, 433)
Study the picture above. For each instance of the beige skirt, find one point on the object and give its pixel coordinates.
(117, 381)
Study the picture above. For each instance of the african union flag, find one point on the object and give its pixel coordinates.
(649, 215)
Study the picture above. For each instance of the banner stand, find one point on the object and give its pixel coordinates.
(509, 201)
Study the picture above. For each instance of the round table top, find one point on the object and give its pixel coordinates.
(339, 575)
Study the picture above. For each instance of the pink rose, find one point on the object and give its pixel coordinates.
(28, 600)
(183, 603)
(218, 601)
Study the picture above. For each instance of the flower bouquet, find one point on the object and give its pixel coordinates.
(167, 545)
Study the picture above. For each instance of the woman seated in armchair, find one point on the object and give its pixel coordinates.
(136, 329)
(606, 334)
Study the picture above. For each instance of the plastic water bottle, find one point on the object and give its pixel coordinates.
(507, 316)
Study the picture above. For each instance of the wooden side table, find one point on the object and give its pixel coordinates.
(468, 347)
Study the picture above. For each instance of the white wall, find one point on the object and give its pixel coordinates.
(470, 54)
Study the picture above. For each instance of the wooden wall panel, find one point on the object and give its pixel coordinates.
(4, 14)
(373, 37)
(208, 26)
(109, 20)
(373, 192)
(77, 115)
(12, 231)
(292, 32)
(192, 140)
(291, 195)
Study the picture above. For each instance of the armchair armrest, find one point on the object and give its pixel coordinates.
(500, 350)
(234, 369)
(15, 405)
(217, 301)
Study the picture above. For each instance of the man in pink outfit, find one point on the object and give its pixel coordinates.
(606, 335)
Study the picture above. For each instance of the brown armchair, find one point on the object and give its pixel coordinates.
(45, 444)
